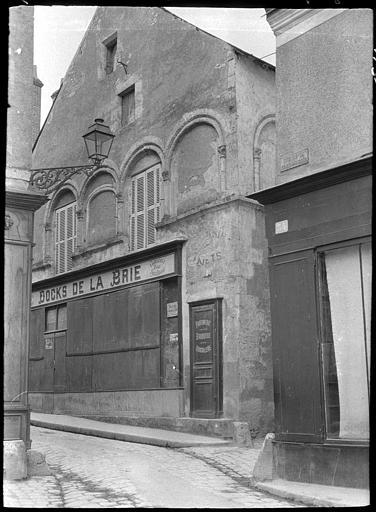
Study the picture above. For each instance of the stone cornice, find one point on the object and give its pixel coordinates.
(315, 181)
(281, 20)
(287, 24)
(24, 200)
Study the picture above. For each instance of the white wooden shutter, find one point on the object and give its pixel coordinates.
(145, 207)
(65, 237)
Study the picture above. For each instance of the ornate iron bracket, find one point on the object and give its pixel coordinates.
(50, 179)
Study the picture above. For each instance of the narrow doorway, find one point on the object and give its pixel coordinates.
(206, 358)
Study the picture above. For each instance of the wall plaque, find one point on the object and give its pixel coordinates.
(294, 160)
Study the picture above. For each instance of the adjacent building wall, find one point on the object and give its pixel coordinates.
(324, 93)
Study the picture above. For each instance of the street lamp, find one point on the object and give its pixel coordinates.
(98, 142)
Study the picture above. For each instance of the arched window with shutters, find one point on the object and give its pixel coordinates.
(65, 232)
(145, 207)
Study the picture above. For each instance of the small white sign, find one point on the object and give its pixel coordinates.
(174, 337)
(172, 309)
(49, 343)
(281, 227)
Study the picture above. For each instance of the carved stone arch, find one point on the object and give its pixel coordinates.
(263, 159)
(89, 179)
(195, 177)
(88, 192)
(55, 198)
(187, 123)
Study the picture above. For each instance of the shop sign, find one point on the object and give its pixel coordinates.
(108, 280)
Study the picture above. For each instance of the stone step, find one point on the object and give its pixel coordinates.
(225, 428)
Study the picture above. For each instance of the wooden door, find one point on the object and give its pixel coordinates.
(206, 359)
(298, 414)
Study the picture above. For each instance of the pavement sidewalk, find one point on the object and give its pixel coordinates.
(236, 461)
(129, 433)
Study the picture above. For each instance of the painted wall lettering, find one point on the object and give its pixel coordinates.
(107, 280)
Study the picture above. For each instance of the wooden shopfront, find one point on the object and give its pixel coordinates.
(112, 327)
(319, 235)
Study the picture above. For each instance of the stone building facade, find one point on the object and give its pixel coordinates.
(193, 119)
(318, 224)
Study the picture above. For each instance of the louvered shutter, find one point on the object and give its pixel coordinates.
(145, 206)
(65, 237)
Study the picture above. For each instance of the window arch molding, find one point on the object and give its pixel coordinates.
(136, 151)
(189, 122)
(89, 192)
(90, 197)
(50, 221)
(89, 179)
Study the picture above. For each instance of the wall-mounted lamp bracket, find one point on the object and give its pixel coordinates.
(50, 179)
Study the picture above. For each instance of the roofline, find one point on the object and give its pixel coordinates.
(238, 50)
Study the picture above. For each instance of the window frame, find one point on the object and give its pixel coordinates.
(319, 252)
(56, 307)
(129, 92)
(147, 208)
(58, 241)
(111, 49)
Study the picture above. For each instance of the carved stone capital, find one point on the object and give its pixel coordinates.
(257, 153)
(80, 214)
(222, 151)
(165, 175)
(8, 222)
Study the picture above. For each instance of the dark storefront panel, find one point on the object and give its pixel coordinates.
(79, 373)
(136, 369)
(296, 354)
(171, 335)
(112, 342)
(80, 327)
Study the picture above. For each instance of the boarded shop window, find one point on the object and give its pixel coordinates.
(102, 217)
(345, 293)
(65, 237)
(127, 106)
(145, 207)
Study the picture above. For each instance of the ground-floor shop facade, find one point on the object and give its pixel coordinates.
(178, 330)
(319, 234)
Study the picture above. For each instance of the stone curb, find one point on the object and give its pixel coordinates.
(121, 436)
(299, 497)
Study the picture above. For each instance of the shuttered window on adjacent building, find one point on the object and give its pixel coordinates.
(65, 237)
(145, 207)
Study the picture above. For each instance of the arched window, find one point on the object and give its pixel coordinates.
(65, 231)
(101, 216)
(145, 201)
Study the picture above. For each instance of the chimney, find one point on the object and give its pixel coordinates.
(36, 113)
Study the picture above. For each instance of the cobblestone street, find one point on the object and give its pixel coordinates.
(101, 473)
